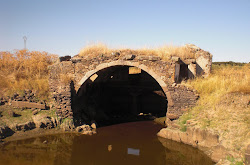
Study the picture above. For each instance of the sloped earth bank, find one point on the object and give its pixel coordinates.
(128, 143)
(221, 129)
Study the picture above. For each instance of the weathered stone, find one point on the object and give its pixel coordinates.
(176, 136)
(76, 60)
(176, 59)
(141, 58)
(67, 125)
(198, 135)
(183, 137)
(25, 126)
(198, 138)
(65, 58)
(93, 125)
(189, 61)
(168, 122)
(27, 104)
(116, 54)
(129, 57)
(154, 58)
(80, 69)
(211, 139)
(163, 133)
(175, 125)
(83, 128)
(5, 131)
(42, 121)
(172, 116)
(219, 152)
(34, 112)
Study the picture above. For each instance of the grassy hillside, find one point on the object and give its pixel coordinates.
(25, 70)
(224, 104)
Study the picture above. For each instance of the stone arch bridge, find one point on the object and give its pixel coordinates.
(122, 85)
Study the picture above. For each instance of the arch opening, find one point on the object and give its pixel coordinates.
(118, 94)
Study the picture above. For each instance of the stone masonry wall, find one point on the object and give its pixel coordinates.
(78, 69)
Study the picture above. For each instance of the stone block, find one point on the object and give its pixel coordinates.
(129, 57)
(176, 136)
(141, 58)
(163, 133)
(154, 58)
(65, 58)
(219, 152)
(183, 137)
(27, 104)
(25, 126)
(76, 60)
(172, 116)
(199, 135)
(211, 139)
(34, 112)
(176, 59)
(68, 108)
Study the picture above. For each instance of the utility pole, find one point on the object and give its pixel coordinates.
(24, 39)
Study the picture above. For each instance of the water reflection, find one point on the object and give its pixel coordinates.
(133, 151)
(129, 143)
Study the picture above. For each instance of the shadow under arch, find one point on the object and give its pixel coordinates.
(137, 91)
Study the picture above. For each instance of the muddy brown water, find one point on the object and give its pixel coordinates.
(127, 143)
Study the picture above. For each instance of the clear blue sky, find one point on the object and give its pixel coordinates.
(63, 27)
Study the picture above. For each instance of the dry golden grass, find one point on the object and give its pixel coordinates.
(25, 70)
(165, 52)
(224, 104)
(223, 80)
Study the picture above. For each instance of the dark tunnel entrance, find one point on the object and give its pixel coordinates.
(119, 94)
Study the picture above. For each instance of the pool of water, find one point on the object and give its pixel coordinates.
(127, 143)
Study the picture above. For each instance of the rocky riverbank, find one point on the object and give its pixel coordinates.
(18, 123)
(205, 140)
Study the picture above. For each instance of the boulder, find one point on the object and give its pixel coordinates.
(25, 126)
(83, 128)
(5, 131)
(43, 121)
(67, 125)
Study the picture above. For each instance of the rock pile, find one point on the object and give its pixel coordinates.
(5, 131)
(3, 100)
(26, 95)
